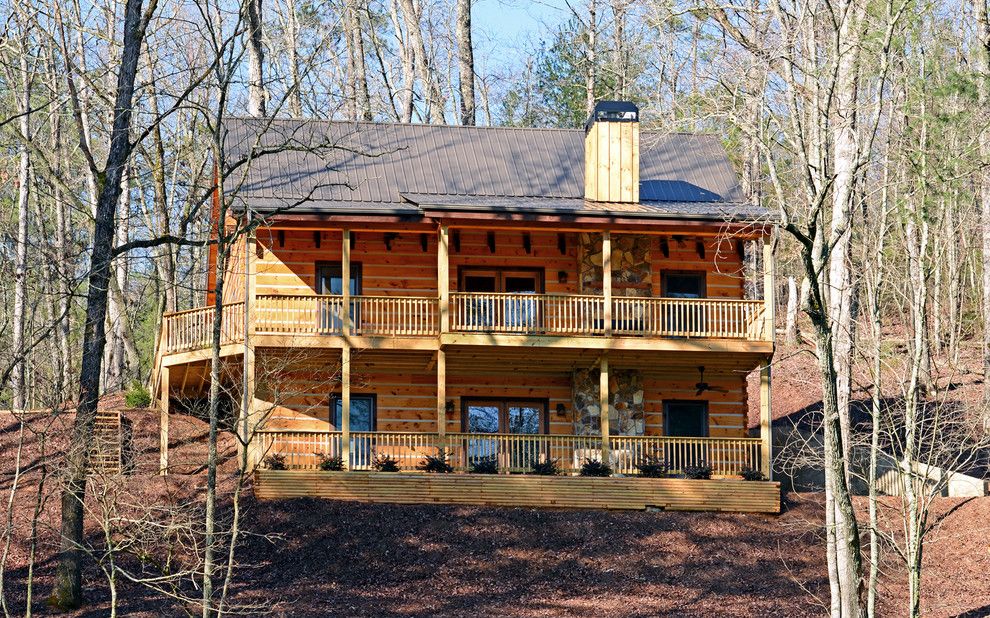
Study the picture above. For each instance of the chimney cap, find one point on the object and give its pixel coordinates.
(613, 111)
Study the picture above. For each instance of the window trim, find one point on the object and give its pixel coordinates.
(502, 402)
(355, 274)
(335, 397)
(500, 272)
(704, 408)
(703, 274)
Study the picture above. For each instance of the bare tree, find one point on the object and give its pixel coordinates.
(465, 62)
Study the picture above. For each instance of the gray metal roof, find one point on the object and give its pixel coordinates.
(358, 167)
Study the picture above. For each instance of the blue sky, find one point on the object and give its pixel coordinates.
(508, 25)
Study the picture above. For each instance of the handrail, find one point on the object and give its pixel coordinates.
(515, 453)
(487, 313)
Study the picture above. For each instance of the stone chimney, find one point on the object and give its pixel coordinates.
(611, 153)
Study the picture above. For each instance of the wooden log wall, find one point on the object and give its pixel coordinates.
(287, 260)
(295, 385)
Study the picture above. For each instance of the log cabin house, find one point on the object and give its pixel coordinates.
(504, 293)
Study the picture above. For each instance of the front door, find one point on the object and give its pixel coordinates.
(505, 416)
(362, 418)
(330, 281)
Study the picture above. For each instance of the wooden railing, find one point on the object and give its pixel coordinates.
(395, 315)
(695, 317)
(514, 452)
(299, 315)
(542, 314)
(193, 329)
(370, 315)
(527, 313)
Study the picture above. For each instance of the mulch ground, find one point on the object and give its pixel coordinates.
(311, 557)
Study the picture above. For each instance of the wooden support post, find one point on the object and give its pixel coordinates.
(442, 395)
(163, 436)
(769, 291)
(766, 418)
(443, 278)
(603, 400)
(345, 282)
(245, 426)
(607, 281)
(345, 405)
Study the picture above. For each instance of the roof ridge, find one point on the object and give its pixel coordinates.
(462, 127)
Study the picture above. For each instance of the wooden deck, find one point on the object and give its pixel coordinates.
(620, 493)
(540, 317)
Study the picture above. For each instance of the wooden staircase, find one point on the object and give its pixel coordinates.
(105, 453)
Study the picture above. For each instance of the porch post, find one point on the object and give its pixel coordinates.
(249, 456)
(442, 396)
(766, 437)
(163, 435)
(603, 405)
(345, 404)
(443, 279)
(345, 283)
(607, 281)
(769, 291)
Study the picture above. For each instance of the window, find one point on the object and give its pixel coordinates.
(330, 280)
(362, 412)
(683, 284)
(685, 418)
(513, 312)
(526, 417)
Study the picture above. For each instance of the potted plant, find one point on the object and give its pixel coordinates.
(550, 467)
(595, 467)
(330, 464)
(384, 463)
(438, 464)
(275, 461)
(652, 467)
(484, 465)
(702, 471)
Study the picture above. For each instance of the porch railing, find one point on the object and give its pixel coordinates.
(513, 452)
(193, 329)
(548, 314)
(532, 314)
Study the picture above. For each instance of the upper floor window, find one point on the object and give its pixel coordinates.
(506, 280)
(683, 284)
(330, 280)
(685, 418)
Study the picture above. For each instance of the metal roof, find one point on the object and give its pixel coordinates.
(360, 167)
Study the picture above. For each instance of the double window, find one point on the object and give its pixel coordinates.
(507, 416)
(513, 312)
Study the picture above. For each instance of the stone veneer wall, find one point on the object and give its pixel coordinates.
(630, 264)
(625, 411)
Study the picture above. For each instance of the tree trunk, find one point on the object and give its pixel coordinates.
(357, 78)
(591, 57)
(68, 577)
(983, 69)
(20, 263)
(465, 62)
(408, 66)
(431, 92)
(791, 330)
(257, 97)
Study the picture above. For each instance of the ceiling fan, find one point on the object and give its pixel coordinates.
(703, 386)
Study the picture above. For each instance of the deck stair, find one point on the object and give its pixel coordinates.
(105, 453)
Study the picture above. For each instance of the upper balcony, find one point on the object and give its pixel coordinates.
(477, 318)
(538, 287)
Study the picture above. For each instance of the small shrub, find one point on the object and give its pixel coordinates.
(652, 467)
(484, 465)
(700, 472)
(436, 463)
(550, 467)
(384, 463)
(138, 396)
(275, 461)
(595, 467)
(330, 464)
(752, 474)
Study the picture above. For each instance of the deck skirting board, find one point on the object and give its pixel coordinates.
(621, 493)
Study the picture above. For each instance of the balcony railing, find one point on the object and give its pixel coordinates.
(512, 453)
(527, 314)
